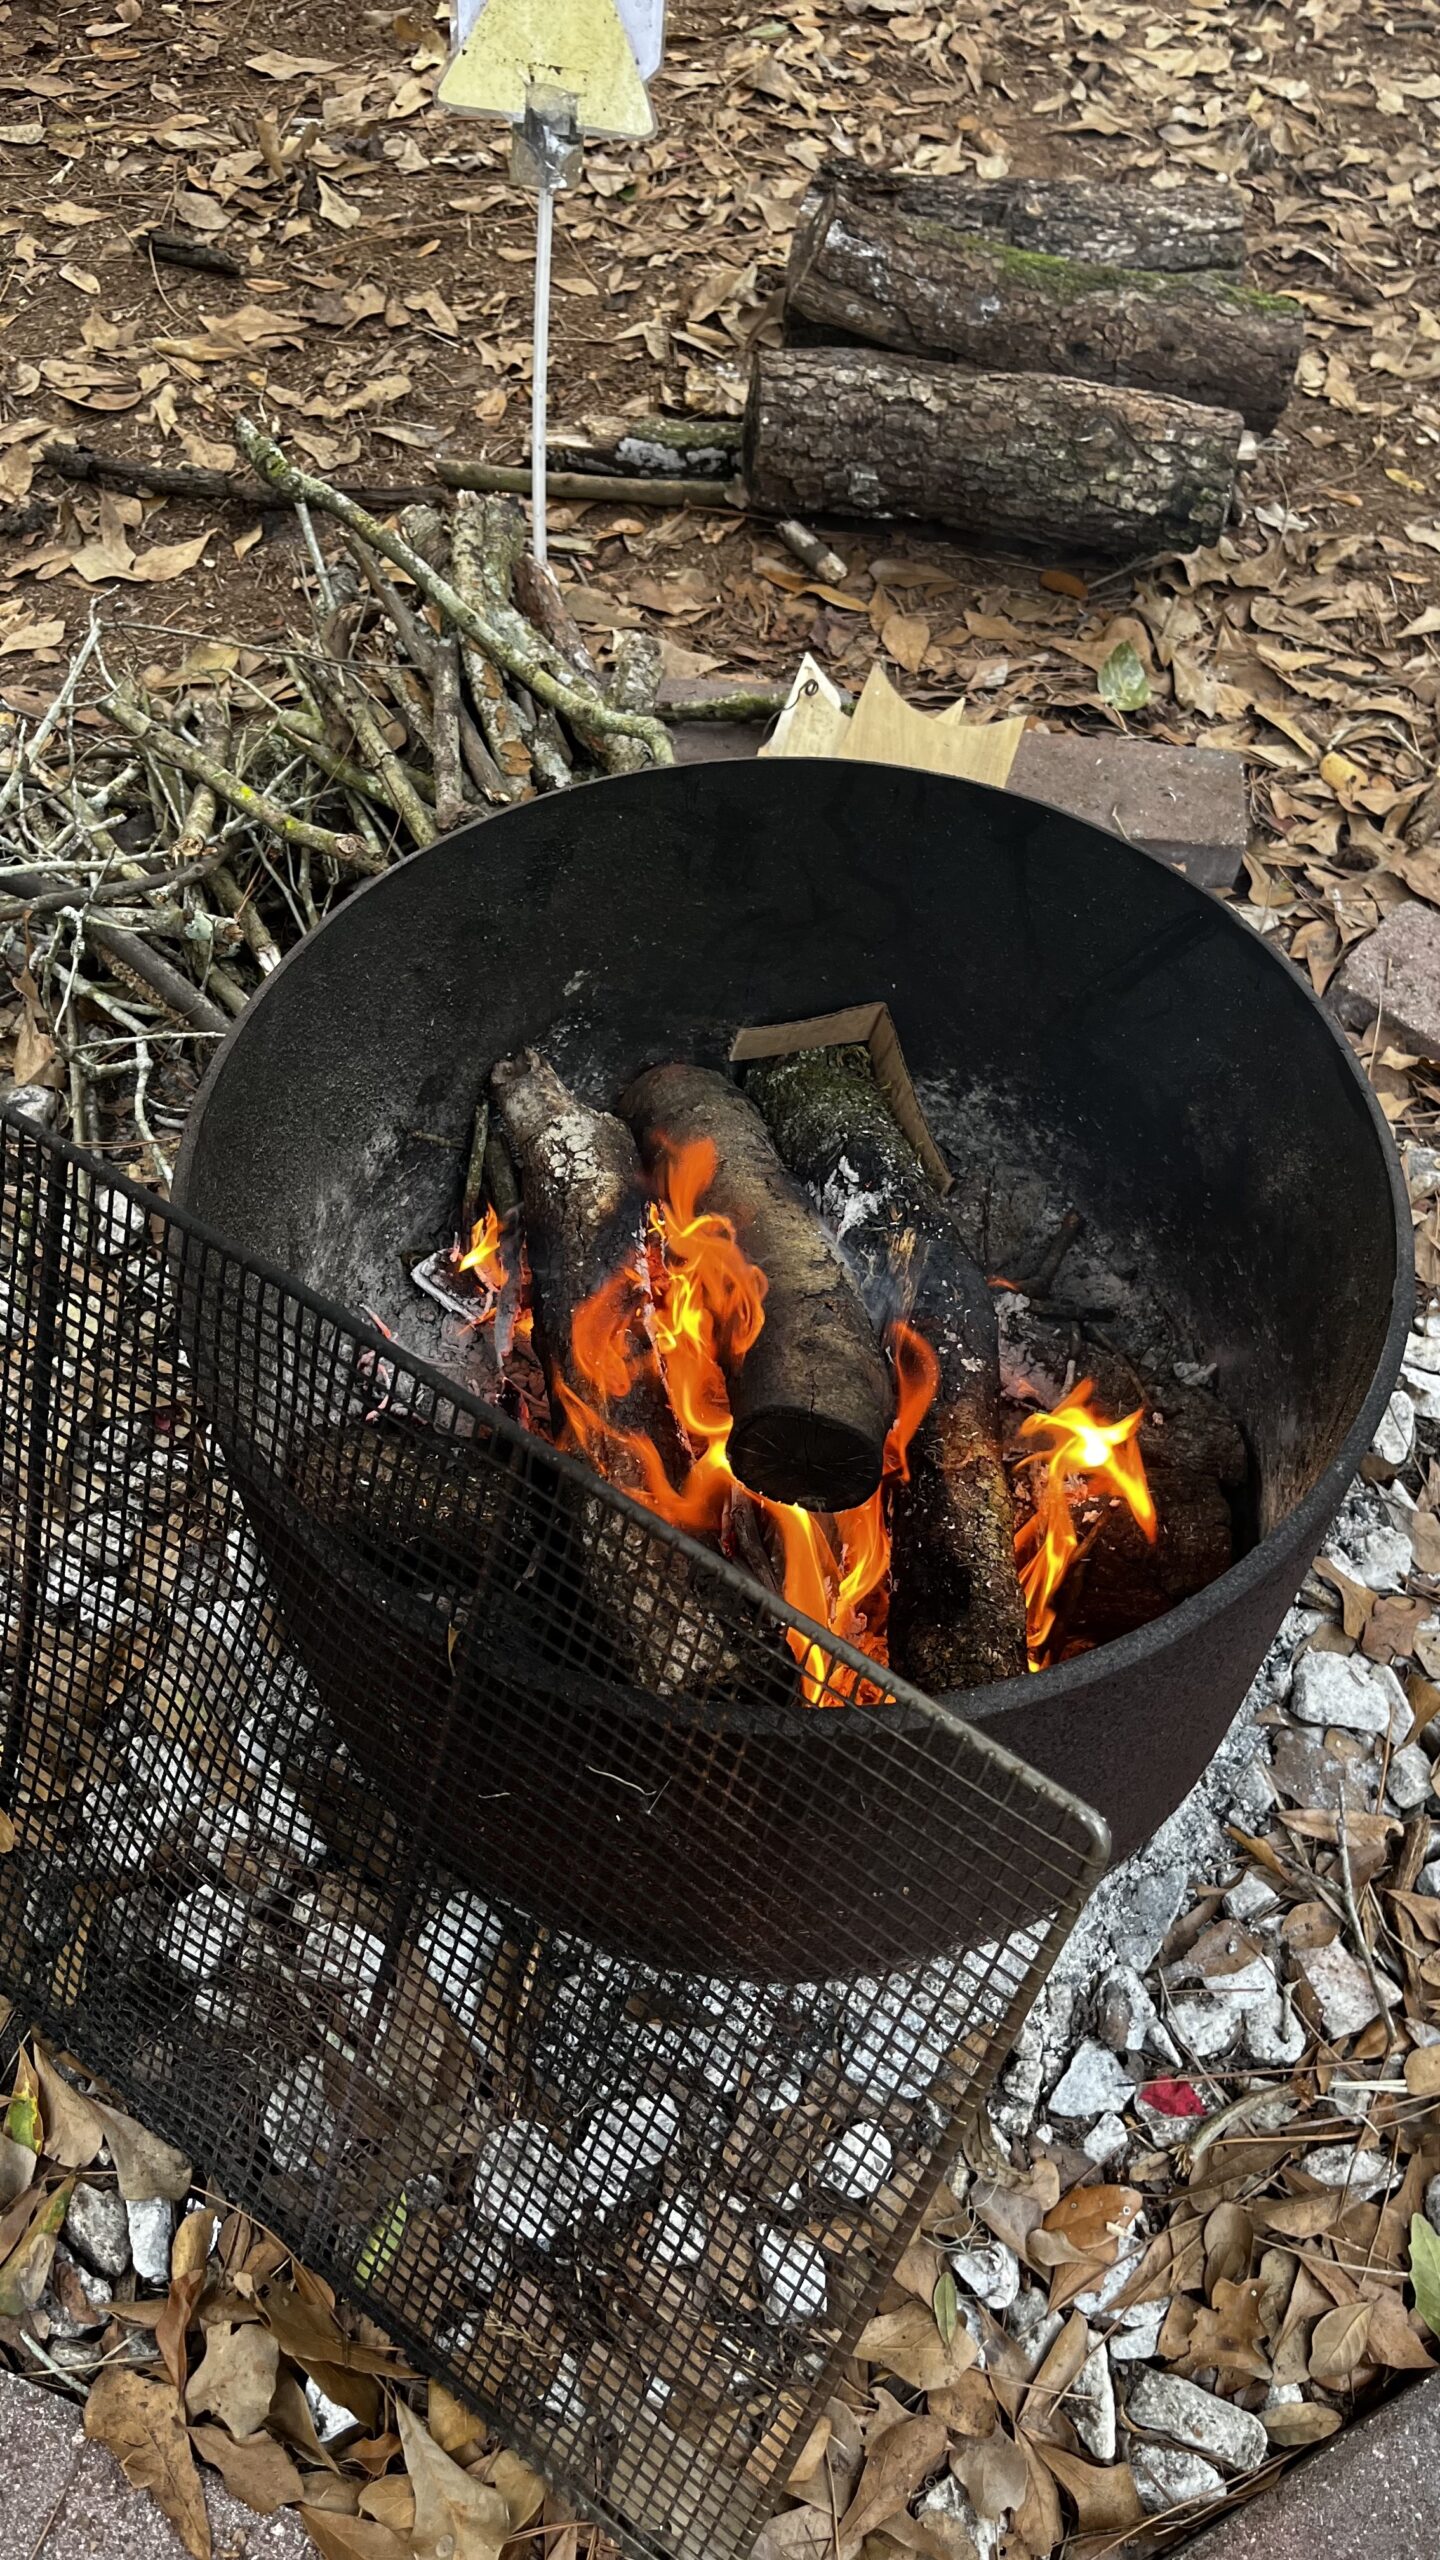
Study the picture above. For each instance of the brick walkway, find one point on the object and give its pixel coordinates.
(64, 2499)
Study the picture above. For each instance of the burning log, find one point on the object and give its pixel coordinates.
(584, 1206)
(811, 1398)
(1024, 457)
(957, 1618)
(889, 267)
(1197, 228)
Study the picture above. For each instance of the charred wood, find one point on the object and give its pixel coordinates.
(812, 1399)
(957, 1617)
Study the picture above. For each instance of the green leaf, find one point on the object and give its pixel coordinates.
(1425, 2271)
(1122, 680)
(22, 2121)
(945, 2303)
(382, 2246)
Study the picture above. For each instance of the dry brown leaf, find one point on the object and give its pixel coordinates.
(1039, 2526)
(1095, 2219)
(176, 2315)
(1227, 2331)
(797, 2533)
(390, 2501)
(143, 2424)
(1054, 2375)
(353, 2537)
(1300, 2422)
(144, 2165)
(236, 2380)
(905, 2456)
(906, 638)
(969, 2406)
(73, 2130)
(1422, 2071)
(453, 2426)
(25, 2268)
(1390, 2339)
(522, 2489)
(995, 2474)
(1106, 2498)
(257, 2470)
(1338, 2343)
(908, 2344)
(456, 2517)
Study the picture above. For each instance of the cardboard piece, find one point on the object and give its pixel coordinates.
(515, 47)
(869, 1026)
(814, 718)
(884, 728)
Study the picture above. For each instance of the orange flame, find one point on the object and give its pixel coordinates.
(485, 1256)
(1073, 1442)
(705, 1310)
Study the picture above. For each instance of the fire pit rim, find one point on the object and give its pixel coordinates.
(1064, 1680)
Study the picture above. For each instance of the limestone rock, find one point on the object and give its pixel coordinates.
(1165, 2405)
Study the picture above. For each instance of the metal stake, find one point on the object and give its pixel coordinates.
(546, 155)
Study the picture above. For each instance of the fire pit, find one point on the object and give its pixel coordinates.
(1085, 1029)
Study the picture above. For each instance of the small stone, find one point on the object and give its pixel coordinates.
(1428, 1880)
(522, 2184)
(1095, 2084)
(947, 2503)
(1164, 2479)
(1136, 2337)
(1127, 2019)
(621, 2146)
(677, 2236)
(1090, 2406)
(1395, 1438)
(204, 1929)
(1253, 1898)
(1152, 1908)
(152, 2231)
(1343, 1988)
(991, 2273)
(1106, 2140)
(794, 2271)
(1344, 2164)
(298, 2121)
(1206, 2026)
(1114, 2280)
(1395, 974)
(1307, 1773)
(339, 1952)
(331, 2417)
(1432, 2204)
(97, 2227)
(1344, 1689)
(1199, 2420)
(458, 1949)
(1274, 2034)
(1410, 1779)
(857, 2162)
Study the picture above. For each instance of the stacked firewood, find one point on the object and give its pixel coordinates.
(1059, 363)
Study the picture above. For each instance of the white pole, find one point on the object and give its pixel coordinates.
(540, 400)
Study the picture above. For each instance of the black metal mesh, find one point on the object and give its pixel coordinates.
(446, 1854)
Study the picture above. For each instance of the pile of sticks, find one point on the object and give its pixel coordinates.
(1060, 362)
(165, 847)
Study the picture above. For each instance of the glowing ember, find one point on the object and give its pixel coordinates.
(1072, 1445)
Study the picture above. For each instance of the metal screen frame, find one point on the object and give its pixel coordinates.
(279, 1594)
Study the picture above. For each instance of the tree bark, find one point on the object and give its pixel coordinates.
(957, 1616)
(886, 272)
(583, 1197)
(1198, 226)
(812, 1400)
(1020, 457)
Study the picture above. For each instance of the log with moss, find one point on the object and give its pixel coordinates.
(812, 1398)
(898, 273)
(583, 1197)
(1197, 227)
(957, 1617)
(1017, 457)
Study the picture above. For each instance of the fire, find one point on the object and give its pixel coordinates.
(705, 1303)
(485, 1255)
(1073, 1442)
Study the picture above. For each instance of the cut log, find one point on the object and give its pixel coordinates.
(1195, 227)
(872, 268)
(812, 1400)
(1021, 457)
(583, 1197)
(957, 1616)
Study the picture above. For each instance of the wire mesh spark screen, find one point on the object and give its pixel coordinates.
(446, 1855)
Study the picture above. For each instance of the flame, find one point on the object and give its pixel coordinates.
(699, 1303)
(1073, 1442)
(485, 1256)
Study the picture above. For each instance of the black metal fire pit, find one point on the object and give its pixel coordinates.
(1074, 1013)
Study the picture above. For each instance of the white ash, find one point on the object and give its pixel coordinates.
(152, 2230)
(1200, 2421)
(844, 1205)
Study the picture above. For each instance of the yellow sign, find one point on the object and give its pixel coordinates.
(580, 46)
